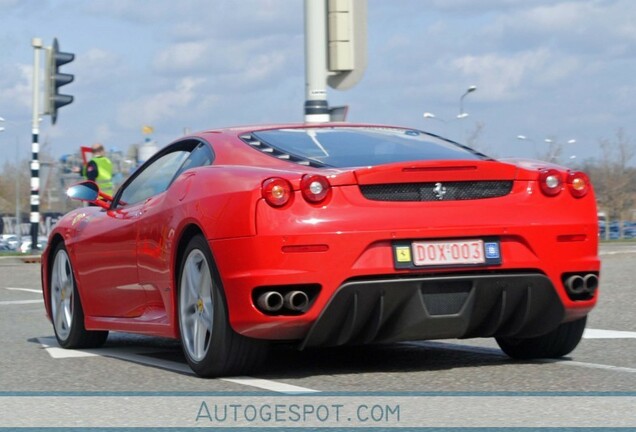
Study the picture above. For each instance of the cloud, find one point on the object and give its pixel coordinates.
(249, 64)
(585, 28)
(16, 88)
(505, 77)
(103, 133)
(198, 18)
(97, 65)
(184, 56)
(160, 107)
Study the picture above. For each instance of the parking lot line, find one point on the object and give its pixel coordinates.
(608, 334)
(19, 302)
(589, 365)
(498, 353)
(135, 355)
(274, 386)
(24, 289)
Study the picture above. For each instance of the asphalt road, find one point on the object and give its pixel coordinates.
(605, 361)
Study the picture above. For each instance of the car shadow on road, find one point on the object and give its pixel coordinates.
(286, 361)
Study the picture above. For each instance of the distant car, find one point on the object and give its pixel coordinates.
(10, 241)
(25, 247)
(325, 235)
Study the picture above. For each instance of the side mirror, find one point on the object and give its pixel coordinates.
(86, 191)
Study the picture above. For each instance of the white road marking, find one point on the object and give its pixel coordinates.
(51, 346)
(608, 334)
(24, 289)
(134, 354)
(270, 385)
(589, 365)
(19, 302)
(618, 252)
(498, 353)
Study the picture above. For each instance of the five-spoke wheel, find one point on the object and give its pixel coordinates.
(67, 313)
(211, 346)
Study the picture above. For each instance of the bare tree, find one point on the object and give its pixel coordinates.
(554, 152)
(472, 139)
(613, 179)
(10, 174)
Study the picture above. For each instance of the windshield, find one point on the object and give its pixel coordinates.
(363, 146)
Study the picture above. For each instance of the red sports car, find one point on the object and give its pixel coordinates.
(323, 235)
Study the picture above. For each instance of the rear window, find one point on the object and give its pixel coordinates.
(359, 146)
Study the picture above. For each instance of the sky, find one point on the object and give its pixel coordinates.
(552, 69)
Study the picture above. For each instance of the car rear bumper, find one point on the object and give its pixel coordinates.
(437, 307)
(356, 274)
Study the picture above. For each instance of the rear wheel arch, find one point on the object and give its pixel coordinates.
(57, 239)
(188, 233)
(222, 351)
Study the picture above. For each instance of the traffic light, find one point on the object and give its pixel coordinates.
(55, 79)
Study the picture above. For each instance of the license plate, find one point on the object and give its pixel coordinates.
(434, 253)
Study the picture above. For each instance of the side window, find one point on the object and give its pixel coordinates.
(155, 178)
(200, 156)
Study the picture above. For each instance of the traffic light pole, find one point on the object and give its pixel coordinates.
(35, 146)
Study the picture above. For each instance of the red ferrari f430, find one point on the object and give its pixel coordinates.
(326, 235)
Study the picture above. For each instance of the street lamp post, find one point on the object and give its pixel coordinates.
(554, 148)
(430, 115)
(461, 115)
(469, 90)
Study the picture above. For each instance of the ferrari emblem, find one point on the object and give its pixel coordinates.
(439, 191)
(403, 254)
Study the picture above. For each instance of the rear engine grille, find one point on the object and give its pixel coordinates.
(440, 191)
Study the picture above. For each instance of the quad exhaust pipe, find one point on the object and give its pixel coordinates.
(591, 282)
(270, 301)
(274, 301)
(578, 285)
(296, 300)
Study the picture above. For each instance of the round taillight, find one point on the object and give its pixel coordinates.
(551, 182)
(315, 188)
(276, 191)
(578, 183)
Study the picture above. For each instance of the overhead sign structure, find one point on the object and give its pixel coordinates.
(55, 79)
(335, 53)
(347, 35)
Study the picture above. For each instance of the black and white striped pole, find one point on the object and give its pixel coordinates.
(35, 146)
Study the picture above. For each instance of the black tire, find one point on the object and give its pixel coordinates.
(69, 329)
(224, 352)
(558, 343)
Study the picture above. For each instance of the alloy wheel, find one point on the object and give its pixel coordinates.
(62, 289)
(196, 305)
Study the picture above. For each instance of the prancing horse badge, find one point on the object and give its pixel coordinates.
(439, 191)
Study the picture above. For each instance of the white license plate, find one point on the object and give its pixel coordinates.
(427, 253)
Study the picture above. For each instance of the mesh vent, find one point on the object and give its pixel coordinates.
(441, 191)
(445, 298)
